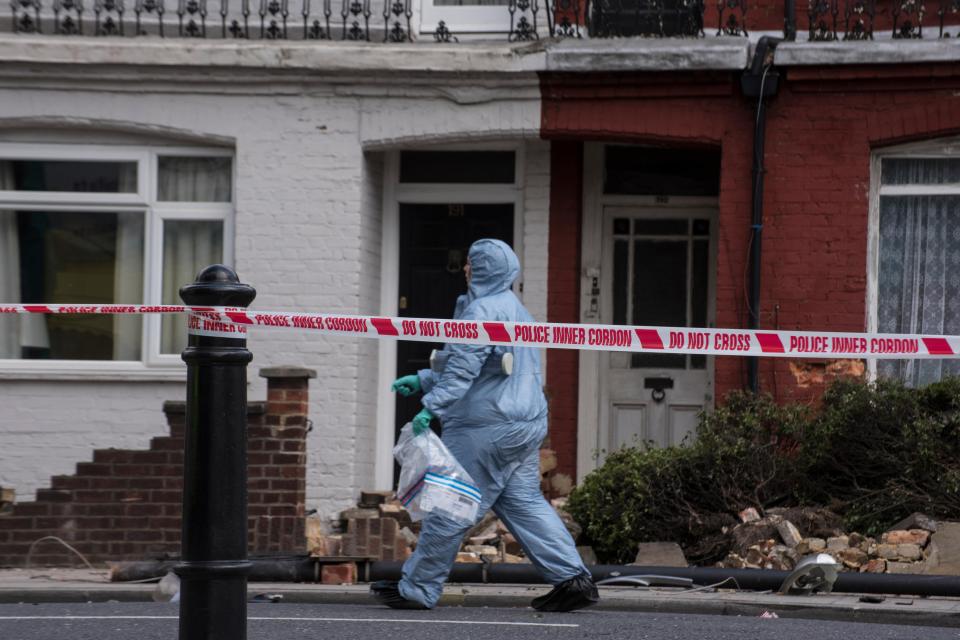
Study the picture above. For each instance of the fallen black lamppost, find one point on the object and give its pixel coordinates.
(214, 567)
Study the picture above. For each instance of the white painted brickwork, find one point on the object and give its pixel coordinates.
(308, 232)
(536, 222)
(536, 209)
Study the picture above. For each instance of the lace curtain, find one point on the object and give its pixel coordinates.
(919, 275)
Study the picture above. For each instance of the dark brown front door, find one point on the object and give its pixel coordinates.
(434, 239)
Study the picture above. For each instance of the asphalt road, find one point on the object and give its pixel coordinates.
(267, 621)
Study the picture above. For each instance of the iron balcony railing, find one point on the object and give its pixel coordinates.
(390, 20)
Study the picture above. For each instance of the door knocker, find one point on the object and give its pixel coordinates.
(454, 261)
(659, 386)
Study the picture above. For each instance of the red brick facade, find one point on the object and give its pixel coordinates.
(821, 130)
(563, 301)
(126, 504)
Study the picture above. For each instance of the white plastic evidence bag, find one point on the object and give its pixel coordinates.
(431, 479)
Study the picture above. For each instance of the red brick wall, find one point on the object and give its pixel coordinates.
(820, 132)
(563, 301)
(126, 504)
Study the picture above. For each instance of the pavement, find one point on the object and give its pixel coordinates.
(80, 585)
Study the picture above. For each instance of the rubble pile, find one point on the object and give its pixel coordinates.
(379, 527)
(8, 498)
(775, 542)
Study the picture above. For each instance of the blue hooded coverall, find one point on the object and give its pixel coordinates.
(493, 424)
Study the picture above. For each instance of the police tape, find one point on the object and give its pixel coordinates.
(233, 322)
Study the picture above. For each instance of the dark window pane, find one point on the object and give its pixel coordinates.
(80, 258)
(654, 171)
(660, 283)
(468, 167)
(658, 361)
(698, 361)
(68, 175)
(653, 227)
(621, 278)
(621, 226)
(700, 280)
(701, 227)
(920, 171)
(659, 295)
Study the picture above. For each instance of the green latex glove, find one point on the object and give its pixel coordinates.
(421, 422)
(407, 385)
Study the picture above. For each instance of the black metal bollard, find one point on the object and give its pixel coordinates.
(214, 567)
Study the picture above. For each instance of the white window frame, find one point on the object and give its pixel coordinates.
(939, 149)
(467, 20)
(152, 363)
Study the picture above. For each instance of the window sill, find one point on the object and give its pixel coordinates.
(105, 372)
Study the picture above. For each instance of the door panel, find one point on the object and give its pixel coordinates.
(629, 425)
(683, 422)
(434, 239)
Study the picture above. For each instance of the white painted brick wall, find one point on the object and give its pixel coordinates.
(308, 233)
(536, 222)
(536, 206)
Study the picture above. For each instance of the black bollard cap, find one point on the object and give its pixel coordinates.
(217, 286)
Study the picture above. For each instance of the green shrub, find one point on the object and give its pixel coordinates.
(874, 453)
(881, 451)
(688, 493)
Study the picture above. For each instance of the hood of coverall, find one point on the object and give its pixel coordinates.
(493, 268)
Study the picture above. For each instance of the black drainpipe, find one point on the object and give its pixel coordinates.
(759, 82)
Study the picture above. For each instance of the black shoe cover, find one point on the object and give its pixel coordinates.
(387, 593)
(576, 593)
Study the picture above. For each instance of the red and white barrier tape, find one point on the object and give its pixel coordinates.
(233, 323)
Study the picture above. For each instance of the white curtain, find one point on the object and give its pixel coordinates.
(188, 246)
(128, 285)
(919, 279)
(128, 274)
(184, 179)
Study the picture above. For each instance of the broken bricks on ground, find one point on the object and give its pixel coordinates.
(379, 528)
(779, 539)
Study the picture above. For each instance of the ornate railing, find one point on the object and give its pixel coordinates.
(366, 20)
(854, 19)
(390, 20)
(240, 19)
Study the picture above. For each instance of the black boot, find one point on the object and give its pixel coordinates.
(387, 593)
(576, 593)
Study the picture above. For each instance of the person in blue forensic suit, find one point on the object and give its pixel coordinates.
(493, 423)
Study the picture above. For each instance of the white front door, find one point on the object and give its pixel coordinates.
(657, 265)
